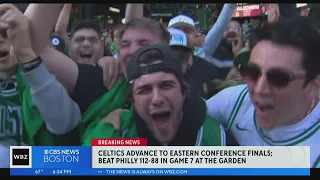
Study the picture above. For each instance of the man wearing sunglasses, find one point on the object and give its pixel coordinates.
(278, 105)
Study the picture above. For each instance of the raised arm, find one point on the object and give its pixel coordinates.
(62, 24)
(43, 18)
(133, 11)
(58, 111)
(215, 34)
(273, 13)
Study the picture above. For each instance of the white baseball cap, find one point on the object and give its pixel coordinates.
(178, 38)
(181, 20)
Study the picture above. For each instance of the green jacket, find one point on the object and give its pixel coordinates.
(114, 99)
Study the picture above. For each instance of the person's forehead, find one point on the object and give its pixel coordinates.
(184, 27)
(139, 34)
(234, 23)
(86, 32)
(154, 79)
(268, 54)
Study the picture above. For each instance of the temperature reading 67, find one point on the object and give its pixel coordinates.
(38, 171)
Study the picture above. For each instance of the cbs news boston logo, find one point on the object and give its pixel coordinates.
(20, 157)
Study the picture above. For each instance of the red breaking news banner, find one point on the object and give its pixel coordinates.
(119, 142)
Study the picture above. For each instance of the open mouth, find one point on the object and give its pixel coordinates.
(231, 34)
(264, 108)
(4, 54)
(161, 119)
(86, 55)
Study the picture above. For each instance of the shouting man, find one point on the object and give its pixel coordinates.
(162, 112)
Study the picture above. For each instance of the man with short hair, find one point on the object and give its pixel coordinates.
(85, 82)
(138, 33)
(163, 113)
(279, 103)
(78, 77)
(134, 34)
(86, 45)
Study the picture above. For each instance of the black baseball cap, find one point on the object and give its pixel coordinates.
(242, 58)
(169, 62)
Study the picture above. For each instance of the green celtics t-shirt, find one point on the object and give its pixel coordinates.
(20, 120)
(10, 117)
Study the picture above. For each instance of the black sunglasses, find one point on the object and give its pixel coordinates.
(3, 34)
(276, 77)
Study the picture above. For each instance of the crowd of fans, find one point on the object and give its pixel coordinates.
(236, 85)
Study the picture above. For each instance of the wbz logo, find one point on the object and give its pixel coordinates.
(20, 156)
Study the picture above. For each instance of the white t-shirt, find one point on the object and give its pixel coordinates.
(233, 108)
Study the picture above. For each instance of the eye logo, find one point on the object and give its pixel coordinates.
(55, 41)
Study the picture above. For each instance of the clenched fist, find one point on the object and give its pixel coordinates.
(111, 71)
(16, 27)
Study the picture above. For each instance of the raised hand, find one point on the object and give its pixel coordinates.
(15, 26)
(273, 13)
(111, 71)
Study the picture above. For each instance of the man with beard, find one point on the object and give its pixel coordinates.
(196, 81)
(163, 113)
(201, 72)
(35, 108)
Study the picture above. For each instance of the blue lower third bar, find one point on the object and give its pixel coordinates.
(162, 172)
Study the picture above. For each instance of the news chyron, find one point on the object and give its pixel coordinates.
(21, 156)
